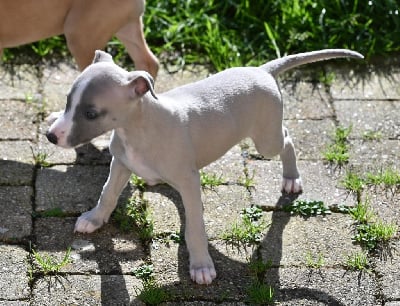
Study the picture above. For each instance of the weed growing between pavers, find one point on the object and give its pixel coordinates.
(138, 182)
(307, 208)
(358, 261)
(248, 180)
(372, 233)
(371, 135)
(40, 158)
(49, 265)
(259, 293)
(135, 215)
(55, 212)
(211, 180)
(151, 293)
(169, 237)
(337, 153)
(248, 230)
(314, 261)
(388, 179)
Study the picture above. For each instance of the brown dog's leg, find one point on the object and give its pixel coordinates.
(132, 37)
(88, 27)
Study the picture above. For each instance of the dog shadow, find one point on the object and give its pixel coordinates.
(228, 269)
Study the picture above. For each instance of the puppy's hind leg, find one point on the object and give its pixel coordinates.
(291, 182)
(277, 141)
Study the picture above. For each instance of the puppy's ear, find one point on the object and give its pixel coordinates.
(140, 82)
(101, 56)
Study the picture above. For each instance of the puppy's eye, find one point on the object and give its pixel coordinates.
(91, 114)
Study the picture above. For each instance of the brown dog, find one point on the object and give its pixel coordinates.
(87, 25)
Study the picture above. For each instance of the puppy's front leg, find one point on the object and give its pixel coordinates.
(202, 269)
(89, 221)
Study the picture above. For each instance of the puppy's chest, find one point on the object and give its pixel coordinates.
(136, 161)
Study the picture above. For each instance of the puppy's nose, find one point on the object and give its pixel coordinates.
(52, 137)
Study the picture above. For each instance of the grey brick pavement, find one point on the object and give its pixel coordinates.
(39, 205)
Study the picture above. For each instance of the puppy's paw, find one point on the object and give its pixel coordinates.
(203, 274)
(53, 117)
(89, 221)
(292, 185)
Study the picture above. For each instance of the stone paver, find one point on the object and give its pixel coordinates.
(14, 281)
(304, 258)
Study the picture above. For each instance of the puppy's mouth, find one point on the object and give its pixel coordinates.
(73, 143)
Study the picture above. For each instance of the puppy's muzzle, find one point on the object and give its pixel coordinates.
(52, 137)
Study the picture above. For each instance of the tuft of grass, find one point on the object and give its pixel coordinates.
(49, 265)
(338, 152)
(371, 232)
(372, 135)
(259, 293)
(375, 235)
(388, 178)
(314, 261)
(248, 230)
(135, 215)
(144, 272)
(40, 158)
(151, 293)
(353, 182)
(362, 213)
(358, 261)
(259, 267)
(138, 182)
(307, 208)
(169, 237)
(247, 181)
(326, 78)
(55, 212)
(210, 180)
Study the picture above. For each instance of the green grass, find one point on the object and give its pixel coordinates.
(358, 261)
(151, 293)
(40, 158)
(210, 181)
(241, 32)
(371, 232)
(54, 212)
(247, 180)
(138, 182)
(371, 135)
(353, 182)
(338, 151)
(49, 265)
(259, 293)
(314, 261)
(144, 272)
(375, 235)
(135, 215)
(307, 208)
(248, 230)
(362, 213)
(259, 267)
(388, 179)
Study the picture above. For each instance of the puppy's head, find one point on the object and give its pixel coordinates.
(102, 98)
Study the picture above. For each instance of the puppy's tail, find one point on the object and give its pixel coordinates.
(285, 63)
